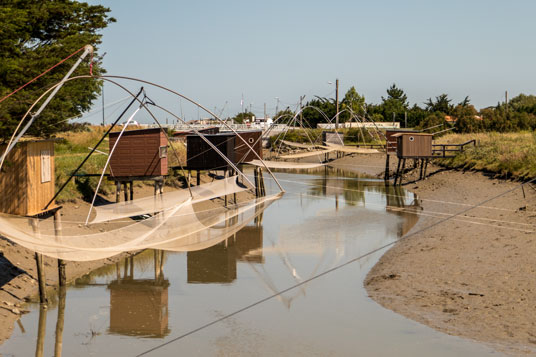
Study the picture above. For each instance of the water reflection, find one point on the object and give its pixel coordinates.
(217, 264)
(139, 307)
(325, 220)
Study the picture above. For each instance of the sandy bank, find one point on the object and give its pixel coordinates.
(472, 276)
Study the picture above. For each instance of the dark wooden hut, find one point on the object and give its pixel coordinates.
(139, 153)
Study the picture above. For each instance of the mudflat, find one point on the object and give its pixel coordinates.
(472, 275)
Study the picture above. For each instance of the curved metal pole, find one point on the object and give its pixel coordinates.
(108, 161)
(205, 109)
(209, 143)
(14, 140)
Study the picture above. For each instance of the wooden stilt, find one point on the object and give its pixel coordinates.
(198, 177)
(125, 186)
(425, 167)
(261, 183)
(256, 178)
(117, 191)
(397, 173)
(386, 174)
(131, 190)
(62, 276)
(41, 278)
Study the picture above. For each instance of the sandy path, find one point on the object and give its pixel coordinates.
(472, 276)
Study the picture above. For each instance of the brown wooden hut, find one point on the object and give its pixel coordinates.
(242, 151)
(140, 153)
(391, 140)
(332, 137)
(201, 156)
(413, 145)
(27, 178)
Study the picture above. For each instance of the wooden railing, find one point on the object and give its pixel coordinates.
(441, 150)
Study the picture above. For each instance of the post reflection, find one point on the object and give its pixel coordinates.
(139, 307)
(41, 331)
(58, 345)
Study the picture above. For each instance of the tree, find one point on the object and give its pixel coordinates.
(315, 108)
(441, 104)
(241, 117)
(284, 116)
(352, 103)
(433, 120)
(395, 104)
(466, 118)
(34, 36)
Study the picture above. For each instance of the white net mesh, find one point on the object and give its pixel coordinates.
(185, 227)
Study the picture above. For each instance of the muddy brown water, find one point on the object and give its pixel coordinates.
(154, 302)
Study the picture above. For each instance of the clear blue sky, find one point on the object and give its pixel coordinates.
(215, 51)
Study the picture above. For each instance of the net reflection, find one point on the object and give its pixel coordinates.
(139, 307)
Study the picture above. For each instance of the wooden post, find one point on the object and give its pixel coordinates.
(125, 186)
(41, 278)
(198, 177)
(386, 174)
(62, 276)
(422, 169)
(425, 167)
(131, 190)
(117, 190)
(261, 183)
(397, 173)
(256, 177)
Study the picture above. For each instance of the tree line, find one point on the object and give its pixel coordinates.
(439, 112)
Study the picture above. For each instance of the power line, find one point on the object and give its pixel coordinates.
(191, 332)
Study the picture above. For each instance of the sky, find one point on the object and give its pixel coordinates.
(217, 52)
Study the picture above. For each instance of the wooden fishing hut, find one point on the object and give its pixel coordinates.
(416, 146)
(140, 155)
(332, 137)
(203, 157)
(391, 144)
(27, 187)
(27, 179)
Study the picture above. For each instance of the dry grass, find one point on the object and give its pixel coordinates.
(511, 155)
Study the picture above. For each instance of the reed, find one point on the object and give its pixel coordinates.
(509, 155)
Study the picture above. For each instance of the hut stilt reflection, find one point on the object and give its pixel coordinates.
(139, 307)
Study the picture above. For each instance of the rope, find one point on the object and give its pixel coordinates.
(48, 70)
(340, 266)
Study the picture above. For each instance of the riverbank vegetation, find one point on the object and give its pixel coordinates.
(509, 155)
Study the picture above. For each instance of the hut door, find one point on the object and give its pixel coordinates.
(45, 166)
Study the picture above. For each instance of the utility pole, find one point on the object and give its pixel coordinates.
(506, 100)
(276, 106)
(103, 123)
(405, 119)
(265, 112)
(301, 113)
(337, 104)
(242, 103)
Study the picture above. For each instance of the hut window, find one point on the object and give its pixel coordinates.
(411, 138)
(251, 140)
(45, 166)
(163, 151)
